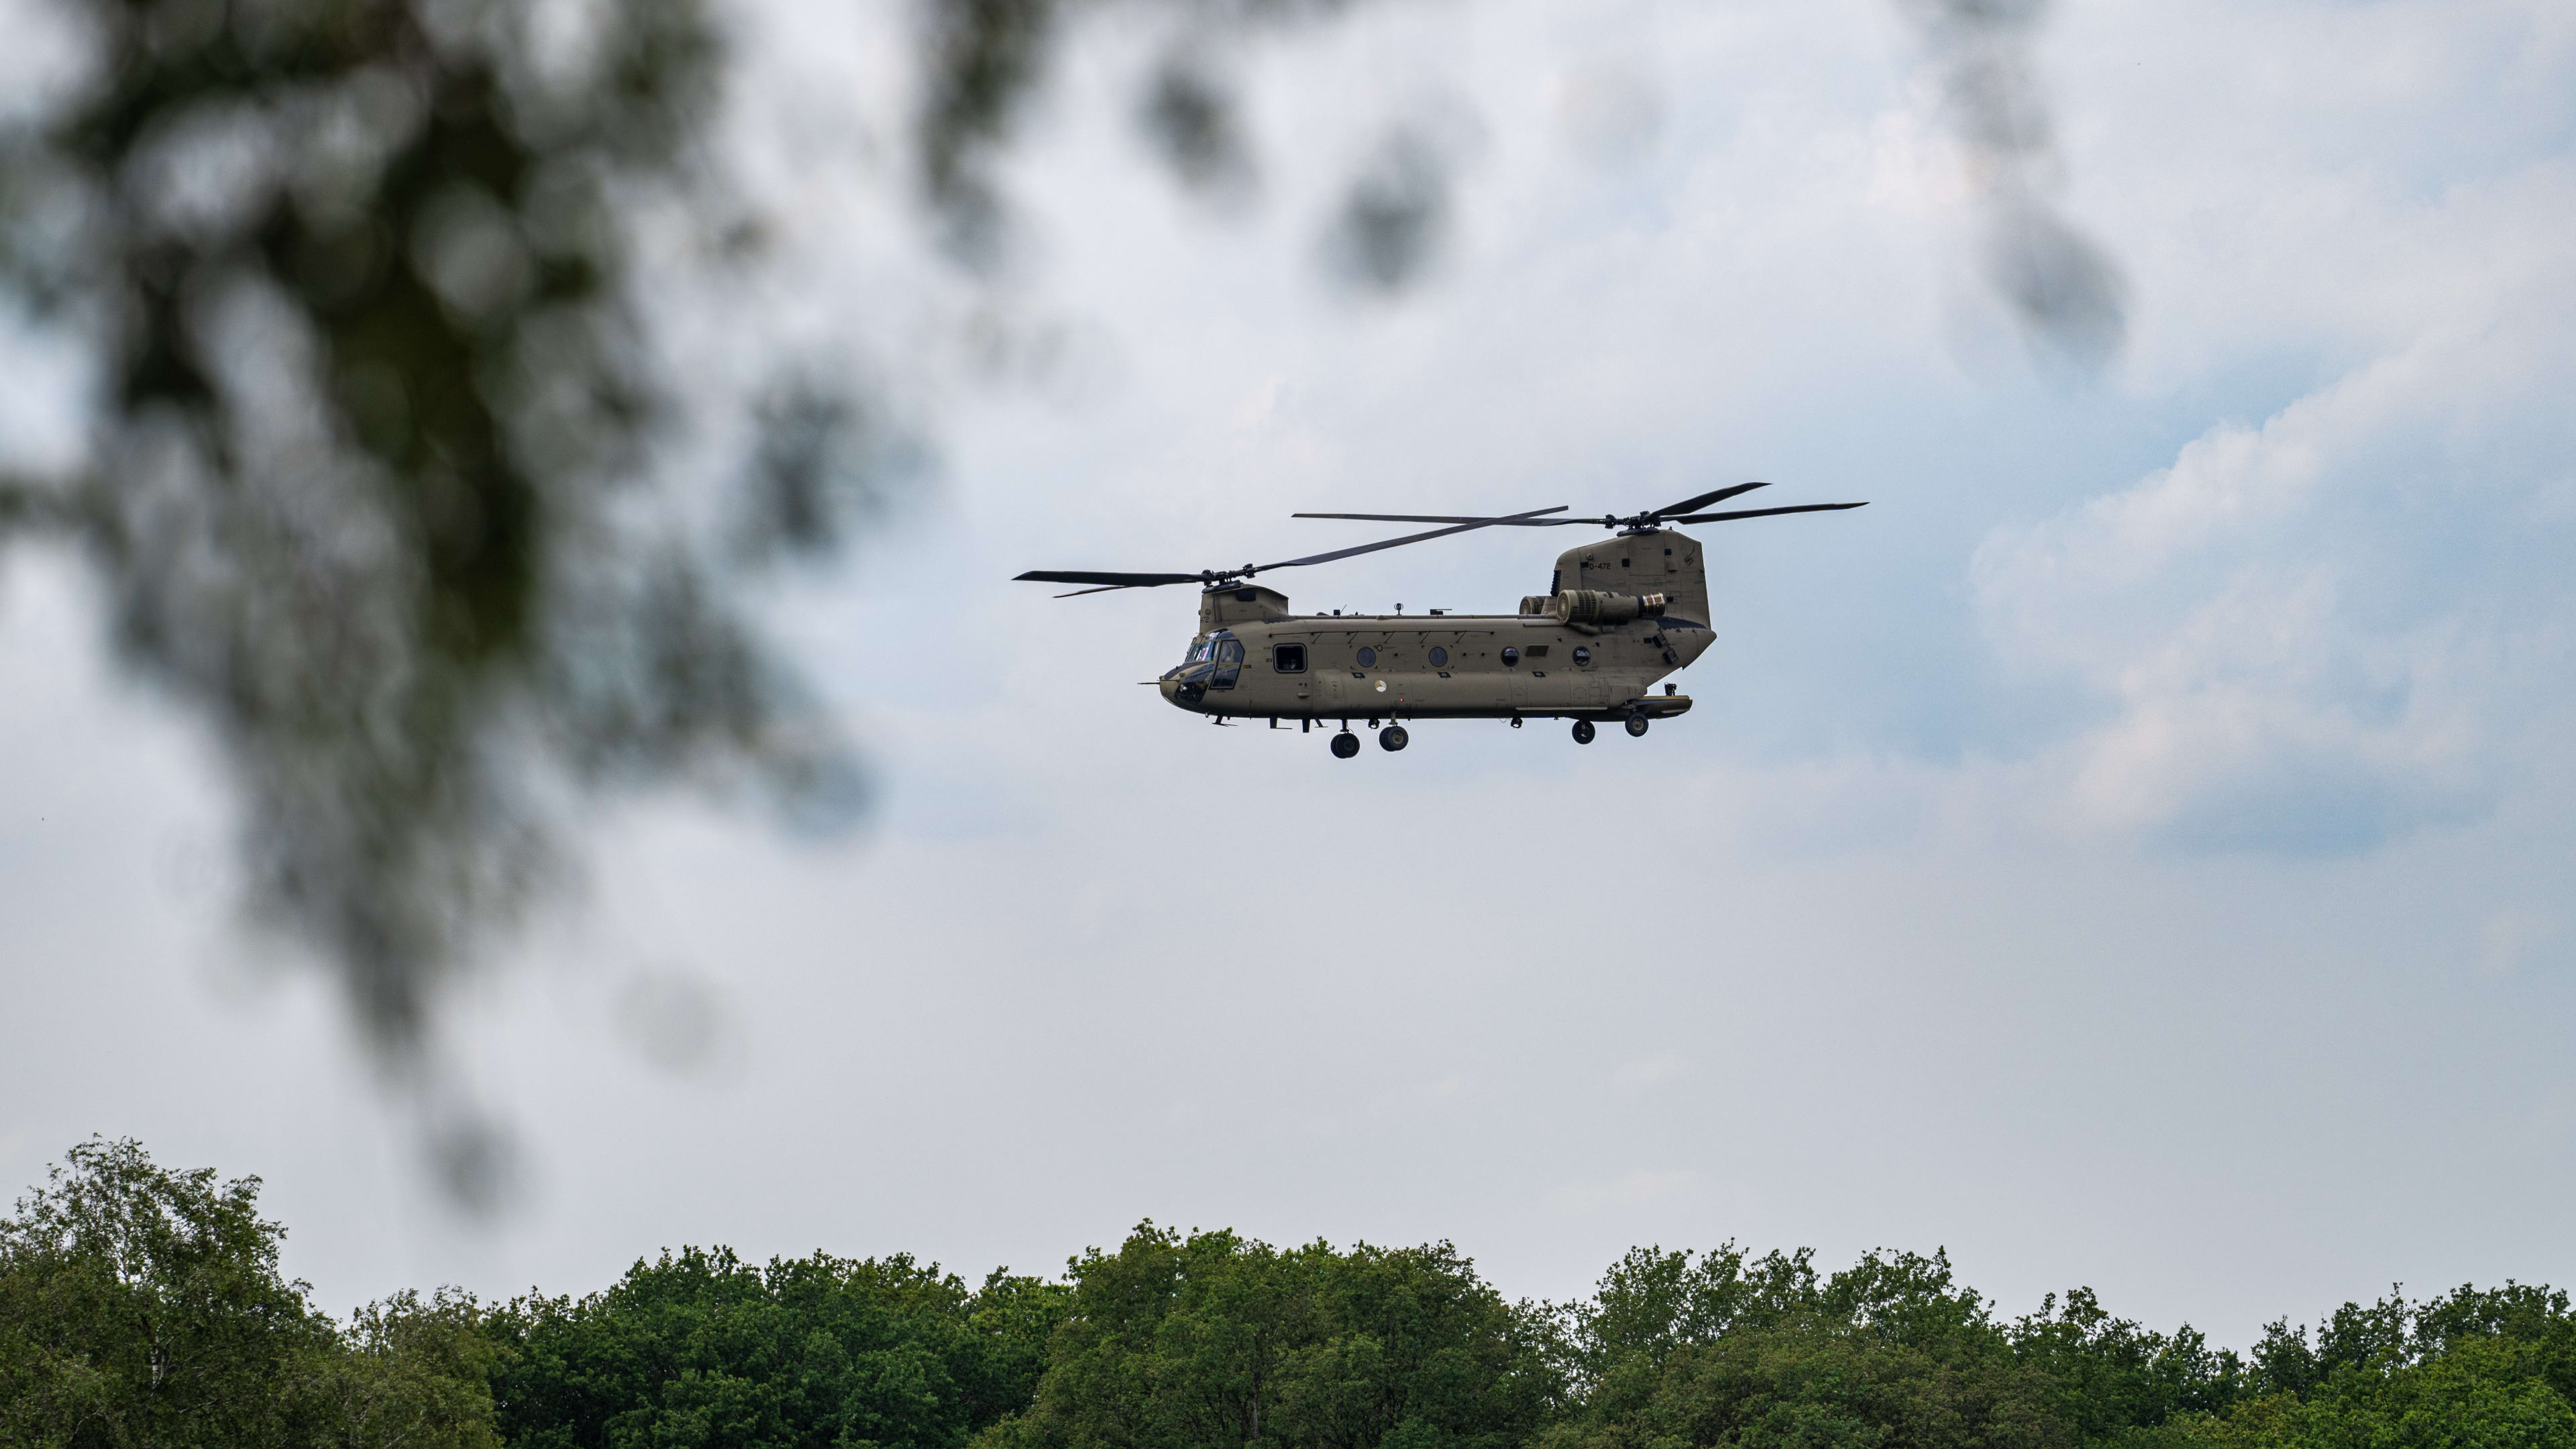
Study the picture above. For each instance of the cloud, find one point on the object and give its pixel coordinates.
(2317, 635)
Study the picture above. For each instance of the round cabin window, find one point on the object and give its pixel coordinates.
(1582, 655)
(1511, 655)
(1439, 657)
(1368, 657)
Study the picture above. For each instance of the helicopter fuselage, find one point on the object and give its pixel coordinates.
(1435, 666)
(1621, 615)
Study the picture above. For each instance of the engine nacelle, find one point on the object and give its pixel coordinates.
(1592, 607)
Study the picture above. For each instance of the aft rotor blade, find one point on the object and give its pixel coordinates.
(1518, 521)
(1705, 499)
(1765, 512)
(1316, 558)
(1114, 581)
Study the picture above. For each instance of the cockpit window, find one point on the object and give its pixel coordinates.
(1199, 652)
(1230, 652)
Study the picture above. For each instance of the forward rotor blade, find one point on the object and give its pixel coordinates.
(1765, 512)
(1705, 499)
(1114, 581)
(1521, 521)
(1472, 523)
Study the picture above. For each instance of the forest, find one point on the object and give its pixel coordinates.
(144, 1305)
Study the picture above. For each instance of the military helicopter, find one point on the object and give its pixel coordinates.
(1618, 616)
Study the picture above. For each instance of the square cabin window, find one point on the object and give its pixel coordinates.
(1288, 658)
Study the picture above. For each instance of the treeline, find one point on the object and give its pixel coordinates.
(144, 1306)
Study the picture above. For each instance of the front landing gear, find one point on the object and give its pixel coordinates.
(1393, 738)
(1345, 745)
(1583, 732)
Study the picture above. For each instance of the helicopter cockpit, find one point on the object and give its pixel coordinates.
(1215, 662)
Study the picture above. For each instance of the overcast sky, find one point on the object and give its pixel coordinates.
(2133, 851)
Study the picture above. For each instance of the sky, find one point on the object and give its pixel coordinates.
(2134, 851)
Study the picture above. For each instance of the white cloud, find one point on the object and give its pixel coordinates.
(2317, 633)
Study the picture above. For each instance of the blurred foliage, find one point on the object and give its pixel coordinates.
(143, 1306)
(372, 477)
(983, 57)
(2065, 291)
(386, 474)
(388, 478)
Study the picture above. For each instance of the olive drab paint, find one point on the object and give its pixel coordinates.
(1618, 616)
(1626, 612)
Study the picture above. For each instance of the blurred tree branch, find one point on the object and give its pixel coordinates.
(378, 473)
(372, 477)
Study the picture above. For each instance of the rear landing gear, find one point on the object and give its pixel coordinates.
(1345, 745)
(1583, 732)
(1393, 738)
(1637, 726)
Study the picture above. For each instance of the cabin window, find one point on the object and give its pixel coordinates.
(1288, 658)
(1582, 655)
(1511, 655)
(1368, 657)
(1623, 563)
(1439, 657)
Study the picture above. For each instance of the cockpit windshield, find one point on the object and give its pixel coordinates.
(1199, 652)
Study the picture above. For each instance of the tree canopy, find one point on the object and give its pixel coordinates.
(145, 1306)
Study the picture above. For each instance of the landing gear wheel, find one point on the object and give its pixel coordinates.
(1583, 732)
(1637, 726)
(1393, 738)
(1516, 721)
(1345, 745)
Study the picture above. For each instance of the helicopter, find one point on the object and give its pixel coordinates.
(1618, 616)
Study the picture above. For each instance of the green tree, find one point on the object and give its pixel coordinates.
(1214, 1339)
(1678, 1349)
(411, 1372)
(2474, 1369)
(2109, 1374)
(699, 1348)
(144, 1306)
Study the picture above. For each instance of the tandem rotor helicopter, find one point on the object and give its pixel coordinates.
(1618, 616)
